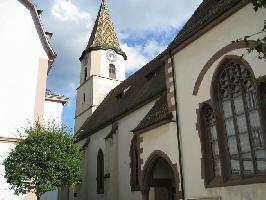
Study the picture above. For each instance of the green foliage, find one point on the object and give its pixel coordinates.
(258, 4)
(260, 44)
(47, 159)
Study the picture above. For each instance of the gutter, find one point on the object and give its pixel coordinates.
(178, 131)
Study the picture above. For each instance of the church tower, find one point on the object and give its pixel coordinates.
(102, 66)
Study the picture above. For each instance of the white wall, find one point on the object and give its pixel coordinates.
(188, 64)
(19, 65)
(53, 112)
(117, 160)
(20, 51)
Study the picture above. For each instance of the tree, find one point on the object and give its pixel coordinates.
(260, 44)
(47, 159)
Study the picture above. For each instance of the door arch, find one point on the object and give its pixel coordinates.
(160, 178)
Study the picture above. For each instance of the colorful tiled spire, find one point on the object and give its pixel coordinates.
(103, 35)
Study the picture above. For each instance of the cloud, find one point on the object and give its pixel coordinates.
(135, 59)
(65, 10)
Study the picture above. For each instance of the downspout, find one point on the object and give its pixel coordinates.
(178, 130)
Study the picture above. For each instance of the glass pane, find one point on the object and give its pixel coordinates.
(215, 148)
(230, 127)
(242, 123)
(232, 145)
(235, 167)
(213, 132)
(247, 163)
(227, 109)
(244, 142)
(257, 138)
(251, 101)
(254, 119)
(217, 167)
(261, 159)
(261, 165)
(248, 167)
(239, 106)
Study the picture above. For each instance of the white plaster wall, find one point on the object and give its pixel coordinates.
(19, 65)
(117, 160)
(53, 112)
(5, 192)
(20, 51)
(188, 64)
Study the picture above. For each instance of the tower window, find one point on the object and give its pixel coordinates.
(112, 71)
(84, 97)
(85, 73)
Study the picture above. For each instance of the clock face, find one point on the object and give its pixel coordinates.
(111, 55)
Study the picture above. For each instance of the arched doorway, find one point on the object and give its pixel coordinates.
(160, 178)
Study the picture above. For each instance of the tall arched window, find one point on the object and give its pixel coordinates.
(235, 125)
(100, 172)
(135, 165)
(243, 130)
(112, 71)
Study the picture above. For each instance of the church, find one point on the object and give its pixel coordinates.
(188, 125)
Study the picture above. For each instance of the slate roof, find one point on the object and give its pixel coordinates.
(143, 86)
(158, 113)
(103, 35)
(208, 11)
(140, 88)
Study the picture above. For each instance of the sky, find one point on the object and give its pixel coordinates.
(144, 28)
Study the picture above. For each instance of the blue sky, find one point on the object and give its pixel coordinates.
(144, 27)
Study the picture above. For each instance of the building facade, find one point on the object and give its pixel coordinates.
(189, 124)
(26, 58)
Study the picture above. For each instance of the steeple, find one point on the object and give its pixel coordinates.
(103, 35)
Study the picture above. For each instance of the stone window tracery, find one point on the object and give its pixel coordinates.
(233, 136)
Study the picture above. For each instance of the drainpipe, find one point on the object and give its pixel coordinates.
(178, 130)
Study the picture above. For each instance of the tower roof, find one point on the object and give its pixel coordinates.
(103, 35)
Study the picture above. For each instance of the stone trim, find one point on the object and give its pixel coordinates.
(9, 140)
(170, 87)
(236, 45)
(147, 171)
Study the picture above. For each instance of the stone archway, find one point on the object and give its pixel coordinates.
(160, 179)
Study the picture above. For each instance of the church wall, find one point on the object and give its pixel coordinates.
(188, 65)
(116, 160)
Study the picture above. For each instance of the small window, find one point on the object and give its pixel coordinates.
(85, 73)
(211, 147)
(135, 165)
(84, 97)
(112, 71)
(100, 172)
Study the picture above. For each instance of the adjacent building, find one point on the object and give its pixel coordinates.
(26, 58)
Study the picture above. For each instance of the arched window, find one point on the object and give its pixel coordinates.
(112, 71)
(243, 131)
(232, 130)
(213, 162)
(135, 165)
(100, 172)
